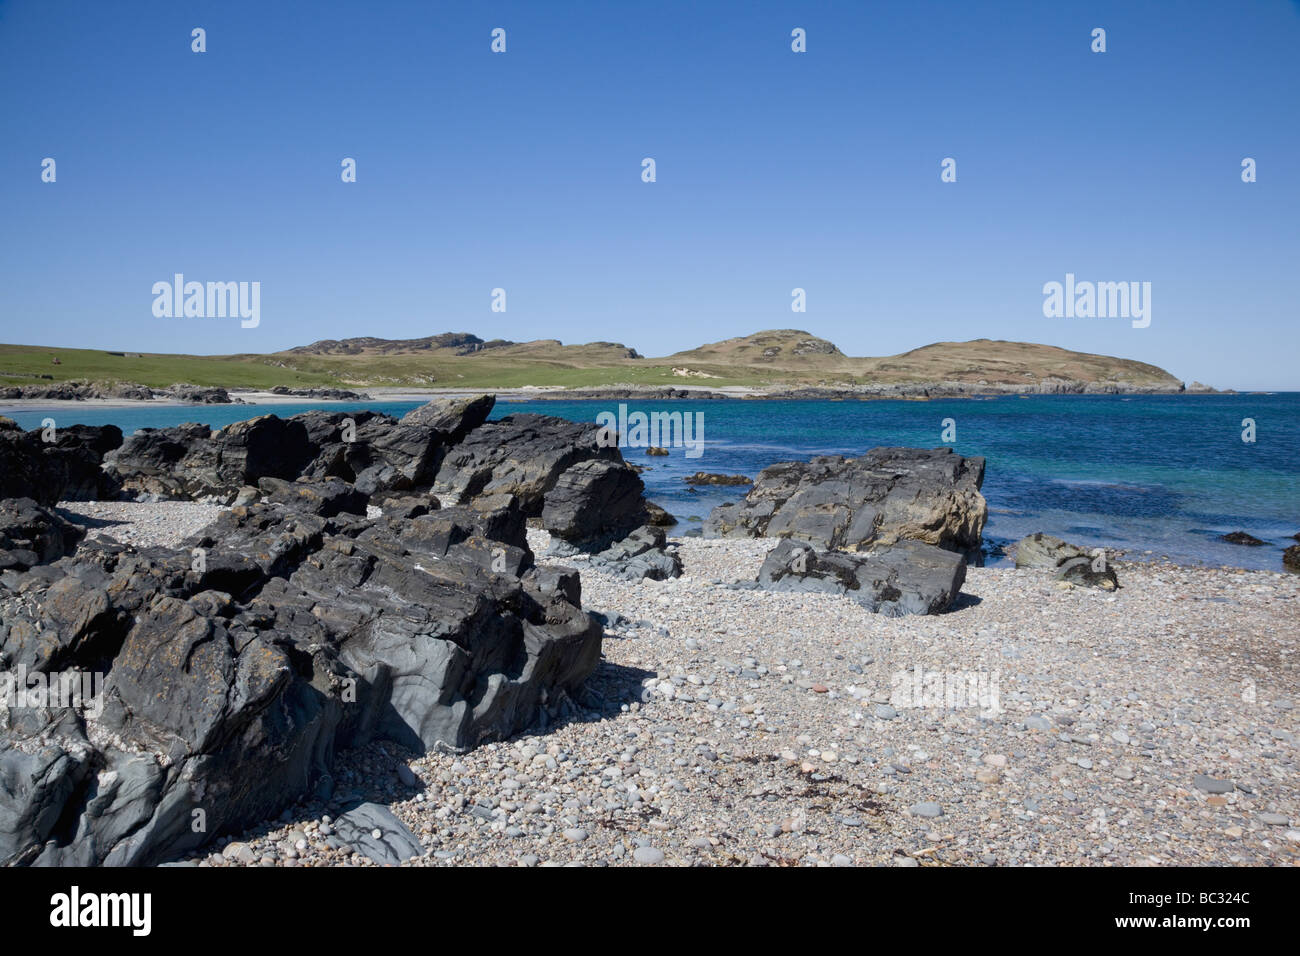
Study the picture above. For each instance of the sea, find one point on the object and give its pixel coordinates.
(1154, 476)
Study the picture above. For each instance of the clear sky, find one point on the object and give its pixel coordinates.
(775, 170)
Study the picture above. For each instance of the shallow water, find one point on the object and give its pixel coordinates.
(1166, 474)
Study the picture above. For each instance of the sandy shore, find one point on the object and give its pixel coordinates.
(384, 395)
(735, 727)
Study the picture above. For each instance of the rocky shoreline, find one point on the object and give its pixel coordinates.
(18, 396)
(440, 639)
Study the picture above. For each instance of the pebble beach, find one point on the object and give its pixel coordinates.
(1153, 726)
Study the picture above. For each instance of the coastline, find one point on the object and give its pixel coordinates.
(919, 392)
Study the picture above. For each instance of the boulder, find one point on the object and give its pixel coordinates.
(327, 498)
(658, 516)
(453, 418)
(1241, 537)
(262, 447)
(855, 504)
(594, 503)
(644, 553)
(1068, 562)
(63, 464)
(395, 842)
(157, 461)
(520, 455)
(908, 577)
(1291, 557)
(710, 478)
(31, 534)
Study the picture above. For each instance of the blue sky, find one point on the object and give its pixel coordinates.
(775, 170)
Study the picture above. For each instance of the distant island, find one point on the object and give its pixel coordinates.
(775, 363)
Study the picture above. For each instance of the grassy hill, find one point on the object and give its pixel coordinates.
(773, 358)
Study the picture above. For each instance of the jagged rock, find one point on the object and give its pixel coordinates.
(453, 418)
(387, 454)
(326, 498)
(594, 503)
(262, 447)
(658, 516)
(192, 461)
(330, 394)
(150, 461)
(32, 535)
(375, 452)
(887, 495)
(243, 660)
(655, 450)
(1291, 557)
(521, 455)
(644, 553)
(709, 478)
(199, 395)
(1069, 562)
(65, 468)
(407, 454)
(908, 577)
(1241, 537)
(400, 504)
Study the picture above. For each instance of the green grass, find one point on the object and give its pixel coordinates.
(154, 370)
(22, 364)
(566, 368)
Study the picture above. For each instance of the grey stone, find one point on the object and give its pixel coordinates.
(887, 495)
(648, 855)
(1069, 562)
(394, 843)
(906, 578)
(1208, 784)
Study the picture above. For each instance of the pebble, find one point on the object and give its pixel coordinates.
(648, 855)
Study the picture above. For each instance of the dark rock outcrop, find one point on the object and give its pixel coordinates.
(239, 663)
(1241, 537)
(908, 577)
(192, 461)
(200, 395)
(520, 455)
(62, 464)
(658, 516)
(853, 504)
(1069, 562)
(376, 452)
(326, 498)
(32, 535)
(709, 478)
(452, 418)
(642, 554)
(1291, 557)
(594, 503)
(329, 394)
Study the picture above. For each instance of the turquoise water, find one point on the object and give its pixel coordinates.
(1165, 474)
